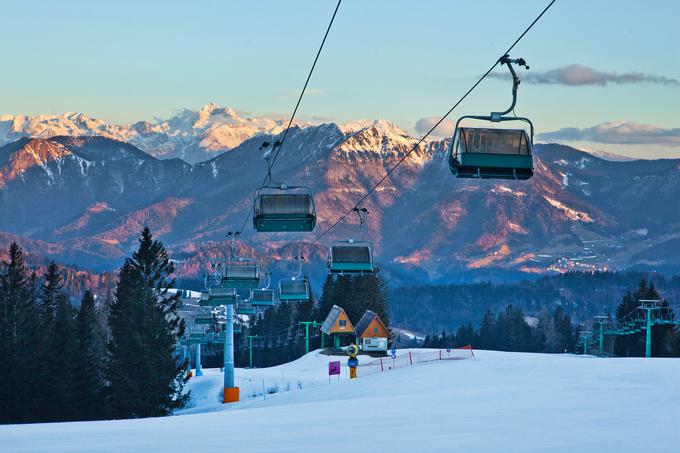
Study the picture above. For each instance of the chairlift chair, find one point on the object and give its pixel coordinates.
(263, 297)
(196, 333)
(294, 289)
(203, 316)
(239, 272)
(279, 207)
(245, 307)
(492, 153)
(352, 256)
(219, 296)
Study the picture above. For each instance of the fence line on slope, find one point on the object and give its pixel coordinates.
(384, 364)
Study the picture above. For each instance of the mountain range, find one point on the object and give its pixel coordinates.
(84, 199)
(189, 135)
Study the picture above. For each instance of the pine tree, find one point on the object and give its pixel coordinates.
(327, 299)
(487, 332)
(565, 329)
(146, 378)
(18, 348)
(63, 362)
(50, 292)
(91, 359)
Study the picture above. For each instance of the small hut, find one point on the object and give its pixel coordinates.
(337, 325)
(372, 334)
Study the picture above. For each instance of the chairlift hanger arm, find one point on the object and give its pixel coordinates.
(506, 60)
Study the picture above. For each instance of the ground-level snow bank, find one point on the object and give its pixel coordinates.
(497, 402)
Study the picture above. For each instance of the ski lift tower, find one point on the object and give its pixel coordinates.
(600, 320)
(585, 336)
(648, 305)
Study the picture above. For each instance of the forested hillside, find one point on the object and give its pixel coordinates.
(581, 295)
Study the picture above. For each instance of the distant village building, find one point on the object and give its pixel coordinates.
(337, 325)
(371, 332)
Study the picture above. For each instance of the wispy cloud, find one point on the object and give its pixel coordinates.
(445, 129)
(579, 75)
(622, 133)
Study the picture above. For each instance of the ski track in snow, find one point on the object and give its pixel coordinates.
(496, 402)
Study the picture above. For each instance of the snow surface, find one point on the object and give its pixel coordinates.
(496, 402)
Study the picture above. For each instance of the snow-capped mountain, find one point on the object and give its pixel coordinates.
(192, 136)
(92, 196)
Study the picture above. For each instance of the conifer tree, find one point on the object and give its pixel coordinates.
(487, 332)
(327, 299)
(18, 330)
(63, 362)
(50, 292)
(145, 377)
(91, 359)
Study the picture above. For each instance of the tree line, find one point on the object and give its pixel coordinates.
(512, 330)
(112, 357)
(582, 295)
(555, 332)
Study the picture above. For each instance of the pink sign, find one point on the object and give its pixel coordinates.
(333, 368)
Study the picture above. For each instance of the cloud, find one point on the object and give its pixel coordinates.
(621, 133)
(445, 129)
(578, 75)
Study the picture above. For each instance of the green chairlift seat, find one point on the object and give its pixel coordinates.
(204, 316)
(350, 257)
(245, 308)
(219, 296)
(295, 289)
(492, 153)
(241, 273)
(263, 297)
(284, 209)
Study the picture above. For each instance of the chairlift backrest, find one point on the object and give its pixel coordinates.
(241, 270)
(263, 296)
(294, 289)
(284, 203)
(356, 253)
(492, 141)
(284, 209)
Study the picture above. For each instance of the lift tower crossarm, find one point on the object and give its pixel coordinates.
(648, 305)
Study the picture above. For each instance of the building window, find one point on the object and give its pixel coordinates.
(343, 323)
(375, 330)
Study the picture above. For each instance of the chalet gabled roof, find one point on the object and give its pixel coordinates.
(331, 318)
(365, 320)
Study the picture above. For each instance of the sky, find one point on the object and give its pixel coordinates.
(604, 75)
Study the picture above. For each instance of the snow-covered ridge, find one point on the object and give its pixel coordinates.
(189, 135)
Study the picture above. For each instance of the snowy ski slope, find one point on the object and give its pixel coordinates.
(496, 402)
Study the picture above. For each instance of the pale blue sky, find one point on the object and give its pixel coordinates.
(125, 61)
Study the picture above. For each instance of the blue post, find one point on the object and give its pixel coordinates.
(199, 368)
